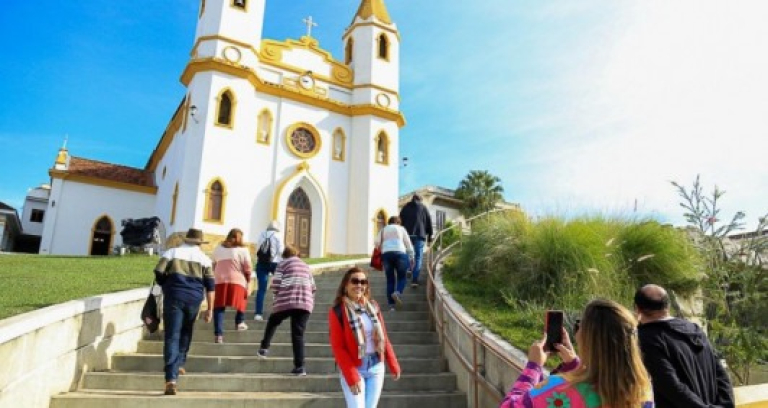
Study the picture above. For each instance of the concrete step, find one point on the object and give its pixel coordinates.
(283, 335)
(283, 349)
(155, 399)
(404, 314)
(316, 324)
(251, 365)
(408, 305)
(120, 381)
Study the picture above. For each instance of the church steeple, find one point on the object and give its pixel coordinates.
(375, 8)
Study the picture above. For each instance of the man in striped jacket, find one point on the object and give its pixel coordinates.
(185, 273)
(294, 289)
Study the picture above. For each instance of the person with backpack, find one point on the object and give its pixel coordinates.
(270, 246)
(359, 341)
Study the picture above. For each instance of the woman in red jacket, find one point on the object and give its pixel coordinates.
(359, 341)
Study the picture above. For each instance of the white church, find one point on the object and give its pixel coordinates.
(267, 130)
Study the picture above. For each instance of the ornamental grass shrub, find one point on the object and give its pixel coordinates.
(559, 263)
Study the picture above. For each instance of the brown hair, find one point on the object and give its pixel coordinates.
(610, 355)
(342, 290)
(234, 239)
(394, 220)
(290, 251)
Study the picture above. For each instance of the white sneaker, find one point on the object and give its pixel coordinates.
(242, 327)
(258, 318)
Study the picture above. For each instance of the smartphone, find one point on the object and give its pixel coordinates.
(554, 328)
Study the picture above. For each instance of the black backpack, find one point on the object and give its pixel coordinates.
(264, 254)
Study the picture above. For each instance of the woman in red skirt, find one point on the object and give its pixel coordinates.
(232, 270)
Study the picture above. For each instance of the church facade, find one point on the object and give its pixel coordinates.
(267, 130)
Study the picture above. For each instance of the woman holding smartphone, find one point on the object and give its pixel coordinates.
(609, 373)
(359, 341)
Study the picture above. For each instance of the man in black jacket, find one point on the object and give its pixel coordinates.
(416, 220)
(684, 369)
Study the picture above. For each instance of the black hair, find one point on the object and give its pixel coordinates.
(647, 303)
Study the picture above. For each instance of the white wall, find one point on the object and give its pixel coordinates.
(68, 230)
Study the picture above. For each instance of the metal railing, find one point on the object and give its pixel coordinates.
(472, 365)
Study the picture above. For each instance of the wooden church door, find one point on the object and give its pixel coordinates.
(298, 222)
(101, 237)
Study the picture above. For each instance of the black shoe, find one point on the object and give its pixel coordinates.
(299, 371)
(262, 353)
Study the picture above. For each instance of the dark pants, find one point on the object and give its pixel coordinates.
(298, 324)
(179, 322)
(395, 263)
(418, 251)
(218, 320)
(262, 275)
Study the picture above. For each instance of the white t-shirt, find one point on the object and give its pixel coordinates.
(368, 330)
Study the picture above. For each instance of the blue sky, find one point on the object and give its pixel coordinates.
(576, 106)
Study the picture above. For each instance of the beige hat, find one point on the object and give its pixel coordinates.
(274, 225)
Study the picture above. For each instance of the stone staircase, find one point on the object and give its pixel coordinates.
(230, 374)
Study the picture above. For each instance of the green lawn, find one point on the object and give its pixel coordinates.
(33, 281)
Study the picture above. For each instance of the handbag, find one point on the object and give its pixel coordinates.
(376, 259)
(150, 314)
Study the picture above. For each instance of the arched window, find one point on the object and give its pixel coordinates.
(174, 200)
(264, 127)
(240, 4)
(383, 47)
(382, 148)
(348, 51)
(225, 109)
(381, 221)
(215, 196)
(339, 145)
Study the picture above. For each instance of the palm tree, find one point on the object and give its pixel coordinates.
(480, 191)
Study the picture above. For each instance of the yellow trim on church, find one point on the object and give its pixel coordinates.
(221, 65)
(111, 236)
(77, 178)
(302, 168)
(351, 28)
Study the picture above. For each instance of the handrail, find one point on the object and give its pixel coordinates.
(746, 396)
(472, 367)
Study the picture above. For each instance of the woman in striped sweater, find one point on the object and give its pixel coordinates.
(294, 289)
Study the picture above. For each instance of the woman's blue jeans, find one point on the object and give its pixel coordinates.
(395, 263)
(372, 372)
(262, 279)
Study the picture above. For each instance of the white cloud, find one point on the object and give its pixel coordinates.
(680, 89)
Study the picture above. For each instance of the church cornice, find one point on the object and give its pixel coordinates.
(271, 54)
(95, 181)
(240, 71)
(378, 25)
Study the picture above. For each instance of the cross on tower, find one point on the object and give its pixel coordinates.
(310, 23)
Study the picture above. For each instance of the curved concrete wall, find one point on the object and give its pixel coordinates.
(46, 352)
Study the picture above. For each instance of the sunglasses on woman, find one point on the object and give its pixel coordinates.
(356, 281)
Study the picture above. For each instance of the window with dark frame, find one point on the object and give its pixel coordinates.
(239, 3)
(215, 201)
(440, 220)
(37, 216)
(383, 47)
(225, 109)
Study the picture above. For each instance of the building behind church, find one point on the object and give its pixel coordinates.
(266, 130)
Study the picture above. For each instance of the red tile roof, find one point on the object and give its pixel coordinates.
(108, 171)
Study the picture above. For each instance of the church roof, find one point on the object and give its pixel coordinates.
(374, 8)
(108, 171)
